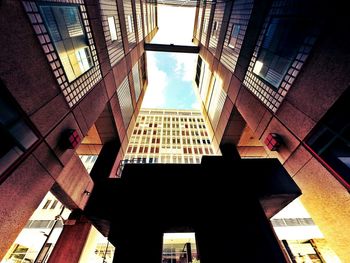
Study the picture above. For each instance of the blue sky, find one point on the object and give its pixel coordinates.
(170, 77)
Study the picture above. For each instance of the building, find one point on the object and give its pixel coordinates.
(279, 68)
(273, 79)
(169, 136)
(40, 233)
(77, 79)
(38, 238)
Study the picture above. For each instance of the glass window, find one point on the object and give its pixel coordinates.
(205, 29)
(112, 28)
(279, 48)
(47, 204)
(331, 138)
(179, 247)
(198, 72)
(16, 136)
(53, 206)
(215, 29)
(234, 36)
(19, 254)
(131, 29)
(67, 33)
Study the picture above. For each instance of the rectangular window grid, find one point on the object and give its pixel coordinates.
(139, 20)
(216, 103)
(240, 15)
(74, 91)
(129, 22)
(115, 48)
(168, 136)
(215, 32)
(206, 28)
(145, 18)
(269, 95)
(136, 78)
(125, 102)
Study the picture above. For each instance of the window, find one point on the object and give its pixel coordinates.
(46, 204)
(16, 136)
(131, 29)
(19, 254)
(205, 29)
(215, 29)
(330, 140)
(53, 206)
(180, 247)
(112, 28)
(216, 102)
(67, 33)
(234, 36)
(198, 71)
(215, 26)
(124, 97)
(280, 46)
(136, 78)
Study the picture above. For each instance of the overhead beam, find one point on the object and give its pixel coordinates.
(172, 48)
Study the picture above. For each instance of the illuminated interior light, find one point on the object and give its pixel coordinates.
(258, 66)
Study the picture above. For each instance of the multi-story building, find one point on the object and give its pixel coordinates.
(169, 136)
(273, 77)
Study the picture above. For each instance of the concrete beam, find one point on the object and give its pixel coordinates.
(172, 48)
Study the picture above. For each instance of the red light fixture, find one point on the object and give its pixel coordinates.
(273, 141)
(71, 139)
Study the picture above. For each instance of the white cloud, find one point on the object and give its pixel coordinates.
(196, 106)
(175, 25)
(157, 82)
(185, 65)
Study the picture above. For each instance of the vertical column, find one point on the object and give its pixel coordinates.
(71, 242)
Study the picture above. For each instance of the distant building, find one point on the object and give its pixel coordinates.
(169, 136)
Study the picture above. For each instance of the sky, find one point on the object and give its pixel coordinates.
(170, 75)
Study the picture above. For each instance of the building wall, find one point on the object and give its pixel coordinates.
(314, 82)
(33, 78)
(32, 238)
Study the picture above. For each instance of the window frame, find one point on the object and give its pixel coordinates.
(4, 93)
(332, 128)
(77, 6)
(268, 50)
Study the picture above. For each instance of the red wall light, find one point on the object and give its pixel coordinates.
(70, 139)
(273, 141)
